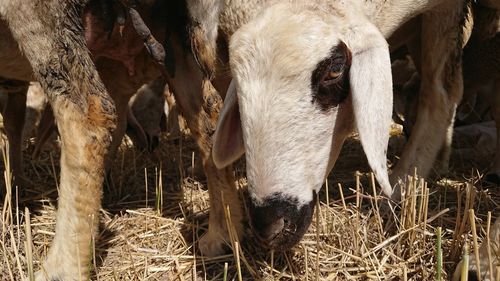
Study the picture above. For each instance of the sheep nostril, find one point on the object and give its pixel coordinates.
(279, 222)
(275, 229)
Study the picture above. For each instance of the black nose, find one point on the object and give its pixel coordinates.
(281, 221)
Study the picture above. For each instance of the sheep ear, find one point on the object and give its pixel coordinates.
(371, 89)
(228, 138)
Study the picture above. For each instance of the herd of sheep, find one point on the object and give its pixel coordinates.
(282, 82)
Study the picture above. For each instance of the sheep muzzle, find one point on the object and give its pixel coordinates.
(280, 222)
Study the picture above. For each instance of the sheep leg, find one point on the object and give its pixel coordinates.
(13, 114)
(222, 191)
(121, 104)
(85, 138)
(199, 103)
(53, 43)
(440, 92)
(221, 187)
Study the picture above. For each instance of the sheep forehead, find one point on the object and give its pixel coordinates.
(272, 61)
(283, 46)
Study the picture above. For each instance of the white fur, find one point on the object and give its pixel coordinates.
(288, 139)
(372, 99)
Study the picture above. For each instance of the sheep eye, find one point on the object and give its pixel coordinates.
(332, 76)
(330, 82)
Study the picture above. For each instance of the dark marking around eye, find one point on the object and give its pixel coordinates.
(330, 79)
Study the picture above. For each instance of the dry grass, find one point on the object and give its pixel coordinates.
(153, 213)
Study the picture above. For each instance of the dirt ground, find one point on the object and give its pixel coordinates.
(155, 208)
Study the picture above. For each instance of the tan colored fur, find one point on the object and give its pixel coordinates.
(85, 116)
(199, 103)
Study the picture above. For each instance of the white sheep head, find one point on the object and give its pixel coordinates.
(304, 75)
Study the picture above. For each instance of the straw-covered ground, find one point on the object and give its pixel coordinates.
(154, 210)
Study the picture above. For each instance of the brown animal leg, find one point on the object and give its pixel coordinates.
(121, 87)
(199, 103)
(119, 90)
(52, 41)
(13, 114)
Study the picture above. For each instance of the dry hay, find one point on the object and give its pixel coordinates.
(153, 211)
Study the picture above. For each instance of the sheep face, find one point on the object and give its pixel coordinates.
(303, 77)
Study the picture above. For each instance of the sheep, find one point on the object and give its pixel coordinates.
(146, 118)
(189, 48)
(130, 64)
(275, 48)
(52, 50)
(188, 78)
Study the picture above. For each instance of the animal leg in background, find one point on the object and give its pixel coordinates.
(440, 92)
(199, 103)
(13, 113)
(115, 78)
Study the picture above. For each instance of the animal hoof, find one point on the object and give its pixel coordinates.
(212, 245)
(493, 179)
